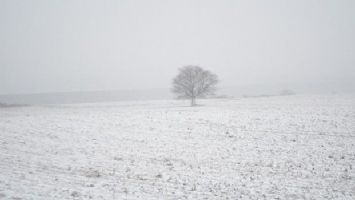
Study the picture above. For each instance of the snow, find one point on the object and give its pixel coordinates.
(291, 147)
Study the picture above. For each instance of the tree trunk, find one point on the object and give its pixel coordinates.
(193, 101)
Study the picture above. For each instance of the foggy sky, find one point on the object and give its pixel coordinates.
(71, 45)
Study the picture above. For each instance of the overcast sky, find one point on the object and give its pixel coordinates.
(71, 45)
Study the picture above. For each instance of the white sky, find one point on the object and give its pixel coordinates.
(71, 45)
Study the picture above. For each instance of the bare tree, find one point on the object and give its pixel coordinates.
(193, 82)
(287, 92)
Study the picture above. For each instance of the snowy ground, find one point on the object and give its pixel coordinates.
(295, 147)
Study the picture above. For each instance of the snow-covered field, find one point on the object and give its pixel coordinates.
(294, 147)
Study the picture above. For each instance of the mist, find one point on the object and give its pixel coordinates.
(80, 46)
(177, 99)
